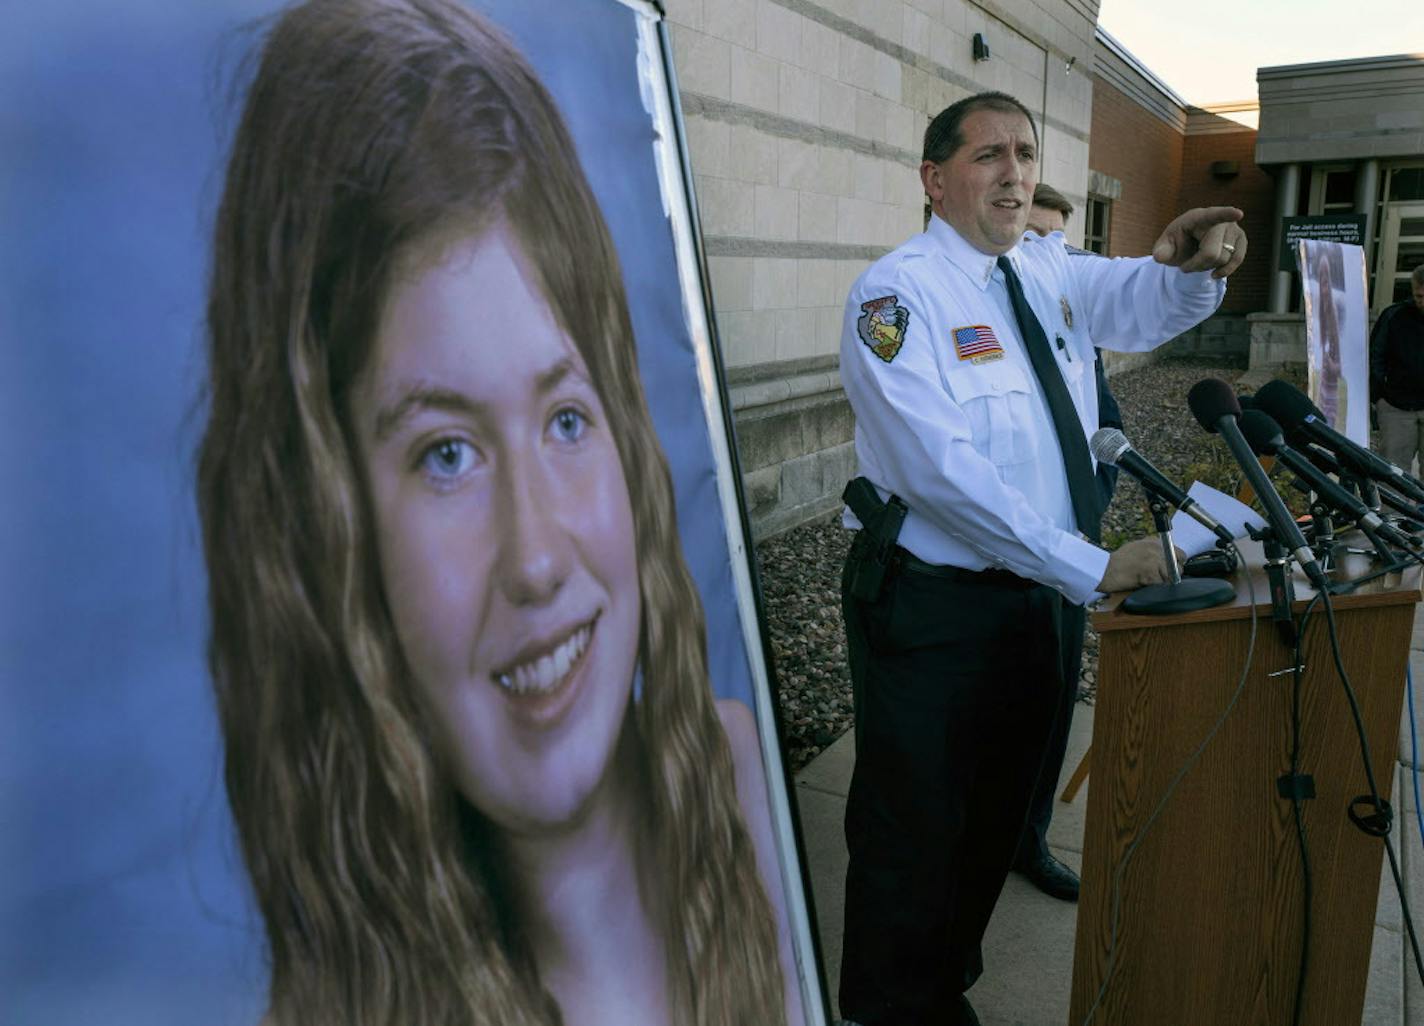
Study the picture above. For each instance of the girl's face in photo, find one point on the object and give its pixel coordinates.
(505, 530)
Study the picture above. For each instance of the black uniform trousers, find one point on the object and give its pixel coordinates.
(1075, 619)
(1040, 811)
(956, 677)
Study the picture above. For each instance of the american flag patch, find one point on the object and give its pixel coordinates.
(977, 344)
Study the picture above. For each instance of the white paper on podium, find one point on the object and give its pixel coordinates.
(1192, 538)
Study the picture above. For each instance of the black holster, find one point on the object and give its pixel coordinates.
(874, 546)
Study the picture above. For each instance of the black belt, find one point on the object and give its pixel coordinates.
(991, 577)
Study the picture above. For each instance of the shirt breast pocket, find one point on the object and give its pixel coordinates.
(1076, 369)
(997, 399)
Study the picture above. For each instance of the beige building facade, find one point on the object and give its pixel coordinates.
(804, 121)
(1347, 137)
(804, 124)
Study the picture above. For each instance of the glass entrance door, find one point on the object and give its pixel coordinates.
(1401, 250)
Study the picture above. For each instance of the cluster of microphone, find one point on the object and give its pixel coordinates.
(1281, 421)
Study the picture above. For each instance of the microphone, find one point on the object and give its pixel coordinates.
(1402, 506)
(1109, 445)
(1294, 411)
(1264, 436)
(1214, 404)
(1326, 463)
(1322, 458)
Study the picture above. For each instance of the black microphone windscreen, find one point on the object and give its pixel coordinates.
(1262, 433)
(1211, 399)
(1286, 404)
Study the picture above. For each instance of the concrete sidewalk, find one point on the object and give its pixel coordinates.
(1028, 950)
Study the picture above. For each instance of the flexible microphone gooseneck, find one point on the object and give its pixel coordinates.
(1214, 404)
(1109, 445)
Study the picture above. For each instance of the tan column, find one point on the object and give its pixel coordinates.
(1367, 176)
(1287, 189)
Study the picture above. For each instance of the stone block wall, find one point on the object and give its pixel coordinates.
(795, 435)
(1224, 337)
(805, 120)
(1277, 341)
(1342, 110)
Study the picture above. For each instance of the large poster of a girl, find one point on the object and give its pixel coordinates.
(494, 748)
(1333, 289)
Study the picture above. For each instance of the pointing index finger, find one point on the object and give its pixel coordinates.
(1208, 217)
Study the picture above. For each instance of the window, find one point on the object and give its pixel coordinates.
(1339, 191)
(1399, 241)
(1096, 221)
(1332, 189)
(1405, 183)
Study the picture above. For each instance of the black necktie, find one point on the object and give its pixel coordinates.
(1082, 487)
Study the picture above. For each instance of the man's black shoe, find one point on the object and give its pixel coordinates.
(1050, 876)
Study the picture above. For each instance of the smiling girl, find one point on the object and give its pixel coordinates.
(471, 746)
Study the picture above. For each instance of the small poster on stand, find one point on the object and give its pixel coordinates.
(1333, 283)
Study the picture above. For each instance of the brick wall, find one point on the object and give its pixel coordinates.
(1144, 153)
(1251, 189)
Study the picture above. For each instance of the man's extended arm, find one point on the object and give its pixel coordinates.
(1137, 304)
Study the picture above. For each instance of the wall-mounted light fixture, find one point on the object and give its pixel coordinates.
(1069, 66)
(1225, 168)
(981, 47)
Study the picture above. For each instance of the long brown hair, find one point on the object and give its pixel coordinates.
(368, 127)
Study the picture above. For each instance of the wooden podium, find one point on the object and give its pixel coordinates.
(1209, 926)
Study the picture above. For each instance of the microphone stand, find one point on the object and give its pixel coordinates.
(1382, 551)
(1177, 595)
(1278, 576)
(1322, 524)
(1369, 494)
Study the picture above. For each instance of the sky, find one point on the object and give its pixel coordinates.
(1208, 51)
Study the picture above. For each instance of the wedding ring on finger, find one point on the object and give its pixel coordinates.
(1228, 247)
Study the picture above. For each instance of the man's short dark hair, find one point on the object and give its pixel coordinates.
(943, 136)
(1417, 277)
(1049, 197)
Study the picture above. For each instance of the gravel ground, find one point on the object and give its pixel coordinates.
(800, 570)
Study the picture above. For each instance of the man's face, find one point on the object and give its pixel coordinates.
(1418, 290)
(985, 188)
(1045, 219)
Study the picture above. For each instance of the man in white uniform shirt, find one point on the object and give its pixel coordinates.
(955, 631)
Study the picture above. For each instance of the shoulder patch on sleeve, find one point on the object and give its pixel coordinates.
(882, 325)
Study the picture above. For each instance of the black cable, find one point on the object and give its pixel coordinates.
(1379, 824)
(1297, 808)
(1382, 811)
(1191, 760)
(1298, 812)
(1354, 584)
(1346, 587)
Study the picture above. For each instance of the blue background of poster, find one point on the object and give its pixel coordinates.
(122, 894)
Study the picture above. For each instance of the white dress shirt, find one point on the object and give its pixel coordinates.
(960, 430)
